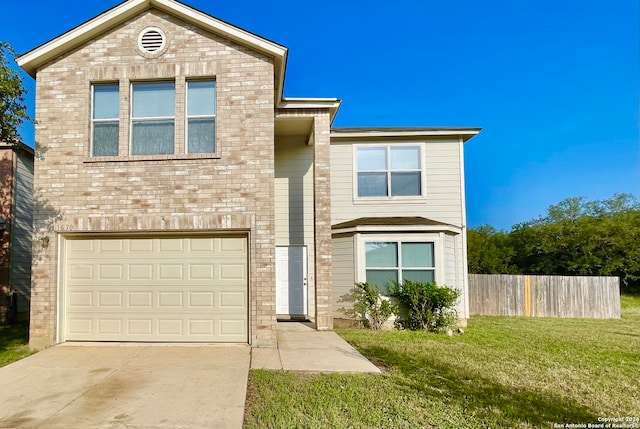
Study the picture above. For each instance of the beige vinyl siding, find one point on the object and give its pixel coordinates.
(454, 270)
(294, 215)
(22, 230)
(344, 268)
(463, 303)
(442, 200)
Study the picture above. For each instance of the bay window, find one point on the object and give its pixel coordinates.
(389, 261)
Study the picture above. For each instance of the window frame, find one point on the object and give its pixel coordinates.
(93, 120)
(400, 268)
(423, 237)
(214, 116)
(152, 118)
(388, 172)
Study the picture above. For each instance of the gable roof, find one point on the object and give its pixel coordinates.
(73, 38)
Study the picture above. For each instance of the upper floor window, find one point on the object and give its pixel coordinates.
(153, 118)
(201, 116)
(153, 111)
(389, 171)
(105, 128)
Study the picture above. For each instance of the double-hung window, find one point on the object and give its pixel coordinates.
(201, 116)
(153, 118)
(105, 128)
(389, 171)
(389, 261)
(153, 111)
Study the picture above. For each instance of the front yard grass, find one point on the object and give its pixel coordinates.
(14, 340)
(502, 372)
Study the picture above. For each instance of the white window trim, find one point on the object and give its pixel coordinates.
(389, 198)
(93, 120)
(152, 118)
(435, 238)
(187, 116)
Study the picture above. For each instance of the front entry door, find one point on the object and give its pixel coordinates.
(291, 280)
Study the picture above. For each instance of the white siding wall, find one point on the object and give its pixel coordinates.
(294, 201)
(443, 193)
(344, 268)
(21, 230)
(455, 272)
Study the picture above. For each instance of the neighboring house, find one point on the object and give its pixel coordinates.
(16, 218)
(184, 198)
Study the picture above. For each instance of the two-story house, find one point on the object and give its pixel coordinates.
(182, 197)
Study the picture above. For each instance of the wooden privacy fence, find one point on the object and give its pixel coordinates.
(544, 296)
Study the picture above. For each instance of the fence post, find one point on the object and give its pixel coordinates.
(527, 296)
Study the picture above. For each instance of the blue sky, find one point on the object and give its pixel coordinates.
(553, 84)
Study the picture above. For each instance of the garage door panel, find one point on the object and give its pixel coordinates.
(175, 289)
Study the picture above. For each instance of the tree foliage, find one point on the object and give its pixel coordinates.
(13, 111)
(576, 237)
(489, 251)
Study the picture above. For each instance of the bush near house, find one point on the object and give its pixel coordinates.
(370, 308)
(428, 306)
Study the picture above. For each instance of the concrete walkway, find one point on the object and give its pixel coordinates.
(302, 348)
(126, 386)
(158, 386)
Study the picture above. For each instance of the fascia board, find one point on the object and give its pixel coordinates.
(398, 228)
(86, 31)
(92, 28)
(465, 134)
(333, 104)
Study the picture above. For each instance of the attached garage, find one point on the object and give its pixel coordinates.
(155, 288)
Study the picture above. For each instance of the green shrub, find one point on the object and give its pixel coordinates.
(428, 306)
(371, 308)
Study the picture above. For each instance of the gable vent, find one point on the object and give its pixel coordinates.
(151, 40)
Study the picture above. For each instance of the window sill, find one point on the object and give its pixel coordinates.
(135, 158)
(390, 200)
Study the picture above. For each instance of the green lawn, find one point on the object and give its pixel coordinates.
(503, 372)
(14, 340)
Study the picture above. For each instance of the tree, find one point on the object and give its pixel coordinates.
(490, 251)
(579, 237)
(13, 111)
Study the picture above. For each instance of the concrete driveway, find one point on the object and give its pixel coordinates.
(126, 386)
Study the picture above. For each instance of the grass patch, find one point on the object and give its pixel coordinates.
(14, 343)
(503, 372)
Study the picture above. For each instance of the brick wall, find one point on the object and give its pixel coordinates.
(322, 198)
(184, 192)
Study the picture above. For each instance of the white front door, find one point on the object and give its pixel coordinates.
(291, 280)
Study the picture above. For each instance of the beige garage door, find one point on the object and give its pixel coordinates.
(191, 289)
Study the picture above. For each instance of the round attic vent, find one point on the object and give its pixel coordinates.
(152, 40)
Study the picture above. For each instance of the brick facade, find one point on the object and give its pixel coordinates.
(322, 198)
(233, 190)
